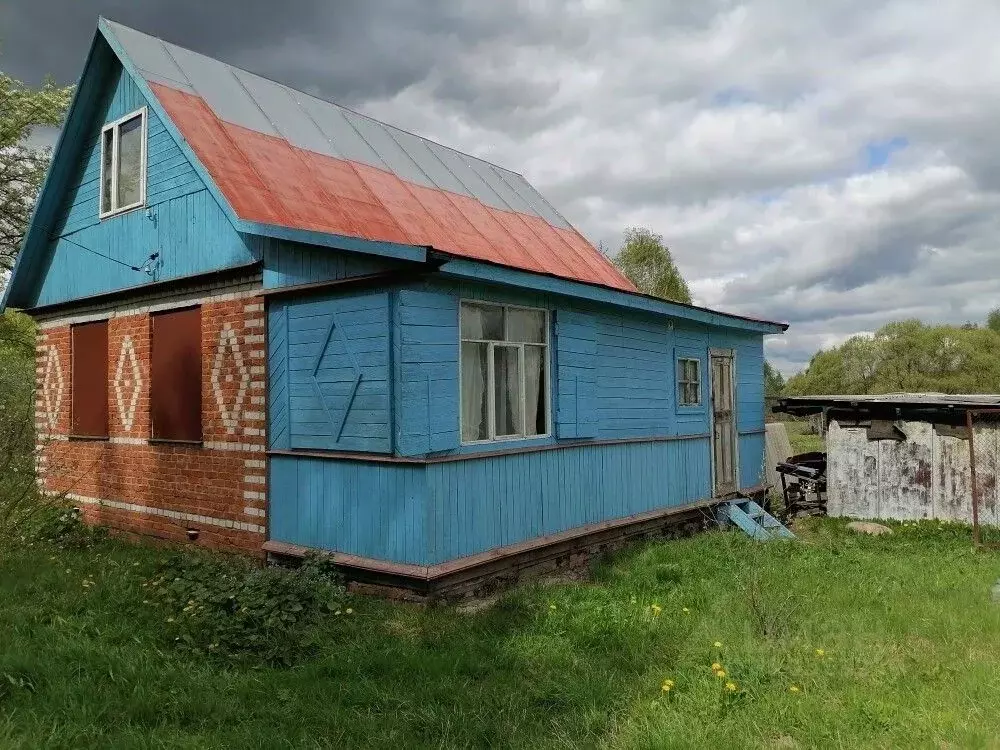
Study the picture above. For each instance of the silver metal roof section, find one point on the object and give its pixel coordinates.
(309, 123)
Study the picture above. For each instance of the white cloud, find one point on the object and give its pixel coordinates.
(833, 164)
(752, 137)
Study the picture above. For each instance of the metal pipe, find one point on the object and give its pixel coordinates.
(972, 478)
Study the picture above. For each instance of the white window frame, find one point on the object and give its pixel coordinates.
(115, 128)
(491, 375)
(682, 383)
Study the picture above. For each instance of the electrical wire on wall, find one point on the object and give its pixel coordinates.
(148, 267)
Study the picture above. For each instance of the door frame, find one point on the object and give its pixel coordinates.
(731, 355)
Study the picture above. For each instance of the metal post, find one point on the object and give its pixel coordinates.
(972, 478)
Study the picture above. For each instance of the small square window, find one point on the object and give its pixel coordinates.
(123, 164)
(688, 382)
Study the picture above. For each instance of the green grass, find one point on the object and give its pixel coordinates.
(802, 440)
(911, 658)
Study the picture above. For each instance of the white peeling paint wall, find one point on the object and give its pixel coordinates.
(925, 476)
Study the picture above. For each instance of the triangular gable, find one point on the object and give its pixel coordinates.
(70, 253)
(294, 166)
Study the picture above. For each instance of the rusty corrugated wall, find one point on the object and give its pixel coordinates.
(926, 475)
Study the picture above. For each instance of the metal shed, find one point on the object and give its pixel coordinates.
(906, 456)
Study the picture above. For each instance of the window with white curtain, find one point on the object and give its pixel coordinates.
(504, 372)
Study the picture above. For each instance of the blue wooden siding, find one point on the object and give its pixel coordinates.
(426, 356)
(338, 369)
(576, 362)
(184, 223)
(372, 510)
(428, 514)
(290, 263)
(278, 433)
(751, 454)
(492, 502)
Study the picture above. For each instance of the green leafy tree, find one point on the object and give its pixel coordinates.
(906, 356)
(22, 167)
(774, 383)
(993, 320)
(647, 262)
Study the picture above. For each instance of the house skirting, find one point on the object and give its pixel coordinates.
(499, 568)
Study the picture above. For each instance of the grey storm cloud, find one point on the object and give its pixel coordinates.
(753, 135)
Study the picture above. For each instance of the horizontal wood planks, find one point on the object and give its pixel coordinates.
(186, 226)
(335, 372)
(291, 263)
(425, 362)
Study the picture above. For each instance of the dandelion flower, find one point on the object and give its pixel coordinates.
(349, 611)
(667, 686)
(170, 619)
(793, 689)
(337, 612)
(820, 653)
(717, 644)
(731, 687)
(686, 611)
(552, 606)
(656, 609)
(716, 666)
(720, 673)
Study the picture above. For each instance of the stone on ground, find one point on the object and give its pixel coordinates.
(867, 527)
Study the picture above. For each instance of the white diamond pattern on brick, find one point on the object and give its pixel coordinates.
(128, 383)
(52, 387)
(227, 368)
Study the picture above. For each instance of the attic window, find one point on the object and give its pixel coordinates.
(123, 164)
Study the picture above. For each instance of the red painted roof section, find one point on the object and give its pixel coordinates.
(266, 179)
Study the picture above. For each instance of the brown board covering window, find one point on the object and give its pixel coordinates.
(90, 379)
(175, 375)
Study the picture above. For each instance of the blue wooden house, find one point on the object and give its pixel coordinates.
(363, 341)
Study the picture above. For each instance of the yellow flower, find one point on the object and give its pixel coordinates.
(793, 689)
(716, 666)
(667, 686)
(686, 610)
(731, 687)
(717, 644)
(656, 609)
(820, 653)
(552, 606)
(720, 673)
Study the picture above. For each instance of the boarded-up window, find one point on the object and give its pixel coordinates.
(90, 379)
(175, 375)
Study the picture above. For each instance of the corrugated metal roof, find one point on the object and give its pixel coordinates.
(287, 158)
(971, 400)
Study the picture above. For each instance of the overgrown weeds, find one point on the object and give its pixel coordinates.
(231, 608)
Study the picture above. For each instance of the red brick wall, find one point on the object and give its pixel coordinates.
(164, 490)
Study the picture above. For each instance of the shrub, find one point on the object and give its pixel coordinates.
(231, 608)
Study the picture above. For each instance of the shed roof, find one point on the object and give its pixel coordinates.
(911, 403)
(283, 157)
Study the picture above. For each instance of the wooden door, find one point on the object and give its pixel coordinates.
(723, 422)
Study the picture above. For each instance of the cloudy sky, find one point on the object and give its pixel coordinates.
(834, 165)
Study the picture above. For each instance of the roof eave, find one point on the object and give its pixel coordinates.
(498, 274)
